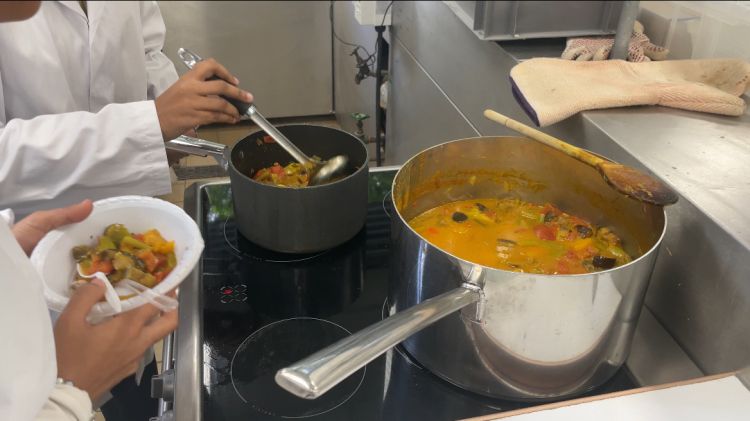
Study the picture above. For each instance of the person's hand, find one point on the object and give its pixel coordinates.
(97, 357)
(31, 229)
(193, 100)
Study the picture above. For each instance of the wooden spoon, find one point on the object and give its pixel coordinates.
(626, 180)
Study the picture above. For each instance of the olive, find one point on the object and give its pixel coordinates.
(459, 216)
(481, 207)
(81, 252)
(604, 262)
(116, 232)
(584, 231)
(549, 217)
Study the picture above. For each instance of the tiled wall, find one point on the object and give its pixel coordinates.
(699, 29)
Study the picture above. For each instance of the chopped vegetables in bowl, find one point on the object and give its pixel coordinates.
(157, 224)
(146, 258)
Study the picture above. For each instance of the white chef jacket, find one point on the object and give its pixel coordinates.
(27, 356)
(77, 118)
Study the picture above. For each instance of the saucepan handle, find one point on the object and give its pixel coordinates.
(200, 147)
(316, 374)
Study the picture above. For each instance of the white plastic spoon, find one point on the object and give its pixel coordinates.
(162, 302)
(110, 294)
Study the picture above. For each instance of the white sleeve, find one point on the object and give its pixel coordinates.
(66, 403)
(57, 160)
(159, 69)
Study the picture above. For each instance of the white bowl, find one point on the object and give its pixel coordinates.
(53, 260)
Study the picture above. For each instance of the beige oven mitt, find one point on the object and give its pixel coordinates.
(551, 90)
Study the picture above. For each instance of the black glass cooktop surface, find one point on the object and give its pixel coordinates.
(264, 310)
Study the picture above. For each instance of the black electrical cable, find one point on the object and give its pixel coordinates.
(370, 60)
(375, 54)
(386, 12)
(333, 30)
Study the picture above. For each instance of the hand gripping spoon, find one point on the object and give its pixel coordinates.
(322, 171)
(113, 299)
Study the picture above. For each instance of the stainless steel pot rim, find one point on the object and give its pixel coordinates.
(363, 167)
(652, 249)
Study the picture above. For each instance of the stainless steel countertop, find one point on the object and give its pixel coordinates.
(705, 157)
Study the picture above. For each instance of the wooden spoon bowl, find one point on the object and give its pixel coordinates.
(626, 180)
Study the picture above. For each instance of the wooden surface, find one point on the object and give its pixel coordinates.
(719, 397)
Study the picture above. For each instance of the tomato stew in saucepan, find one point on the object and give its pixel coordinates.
(292, 175)
(514, 235)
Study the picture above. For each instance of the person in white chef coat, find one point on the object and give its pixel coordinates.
(87, 100)
(55, 375)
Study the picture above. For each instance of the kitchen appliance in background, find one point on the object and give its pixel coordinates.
(280, 51)
(508, 20)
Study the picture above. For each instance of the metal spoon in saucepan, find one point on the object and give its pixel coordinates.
(322, 171)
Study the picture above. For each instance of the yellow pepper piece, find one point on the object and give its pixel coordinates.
(154, 239)
(582, 244)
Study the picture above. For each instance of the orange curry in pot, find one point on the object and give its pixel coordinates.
(518, 236)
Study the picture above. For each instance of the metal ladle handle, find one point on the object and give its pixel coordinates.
(190, 59)
(321, 371)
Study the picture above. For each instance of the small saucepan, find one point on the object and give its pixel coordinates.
(292, 220)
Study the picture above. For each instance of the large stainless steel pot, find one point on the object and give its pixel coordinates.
(519, 336)
(292, 220)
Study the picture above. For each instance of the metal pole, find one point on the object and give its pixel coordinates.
(624, 30)
(378, 81)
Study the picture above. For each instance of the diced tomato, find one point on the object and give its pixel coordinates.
(277, 169)
(432, 231)
(161, 260)
(268, 139)
(149, 260)
(545, 232)
(562, 267)
(138, 237)
(98, 265)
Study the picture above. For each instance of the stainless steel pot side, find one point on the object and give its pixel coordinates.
(292, 220)
(517, 335)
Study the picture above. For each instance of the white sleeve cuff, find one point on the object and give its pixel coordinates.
(8, 216)
(67, 402)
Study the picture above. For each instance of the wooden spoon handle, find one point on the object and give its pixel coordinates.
(548, 140)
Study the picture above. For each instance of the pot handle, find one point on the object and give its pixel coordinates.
(321, 371)
(200, 147)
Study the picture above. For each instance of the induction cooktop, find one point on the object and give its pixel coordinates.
(261, 310)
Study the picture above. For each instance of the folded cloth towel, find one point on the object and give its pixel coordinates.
(551, 90)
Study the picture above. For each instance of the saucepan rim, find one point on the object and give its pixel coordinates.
(363, 166)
